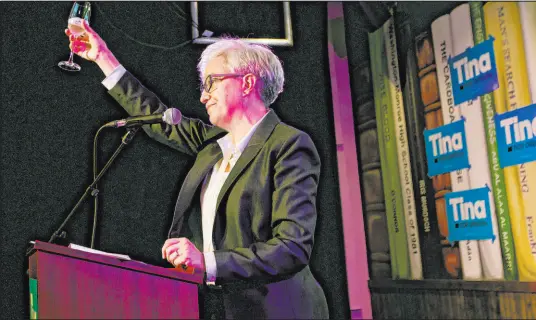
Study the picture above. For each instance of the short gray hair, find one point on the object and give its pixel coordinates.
(243, 57)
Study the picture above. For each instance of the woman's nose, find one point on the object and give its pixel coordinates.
(205, 96)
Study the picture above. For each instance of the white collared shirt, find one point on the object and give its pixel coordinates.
(212, 183)
(211, 189)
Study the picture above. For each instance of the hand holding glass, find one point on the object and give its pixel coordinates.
(79, 12)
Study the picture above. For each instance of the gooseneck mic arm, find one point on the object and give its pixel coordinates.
(90, 189)
(171, 116)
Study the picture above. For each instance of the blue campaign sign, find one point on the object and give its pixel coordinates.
(446, 148)
(474, 72)
(516, 136)
(469, 215)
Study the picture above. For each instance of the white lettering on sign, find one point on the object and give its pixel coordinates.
(467, 210)
(468, 69)
(523, 130)
(443, 145)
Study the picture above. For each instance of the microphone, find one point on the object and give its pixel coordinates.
(171, 116)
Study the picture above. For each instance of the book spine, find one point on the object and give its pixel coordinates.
(399, 222)
(442, 38)
(479, 173)
(430, 103)
(401, 138)
(397, 239)
(429, 236)
(498, 185)
(371, 174)
(527, 11)
(518, 96)
(499, 20)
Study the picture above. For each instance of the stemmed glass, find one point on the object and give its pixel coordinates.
(79, 12)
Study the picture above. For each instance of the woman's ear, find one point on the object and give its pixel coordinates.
(248, 83)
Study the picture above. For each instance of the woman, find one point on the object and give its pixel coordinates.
(246, 212)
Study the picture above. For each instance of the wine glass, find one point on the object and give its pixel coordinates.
(79, 13)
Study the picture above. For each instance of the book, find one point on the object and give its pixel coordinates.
(442, 39)
(498, 186)
(402, 149)
(501, 20)
(479, 173)
(371, 174)
(429, 237)
(433, 118)
(527, 12)
(347, 157)
(387, 146)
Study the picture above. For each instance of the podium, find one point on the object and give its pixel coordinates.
(72, 284)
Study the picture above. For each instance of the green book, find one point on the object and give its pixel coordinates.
(400, 263)
(497, 173)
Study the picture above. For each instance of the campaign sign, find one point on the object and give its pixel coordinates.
(446, 148)
(474, 72)
(469, 215)
(516, 136)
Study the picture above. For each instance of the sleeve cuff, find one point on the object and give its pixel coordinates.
(211, 269)
(113, 78)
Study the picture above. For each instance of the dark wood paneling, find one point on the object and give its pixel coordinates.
(453, 299)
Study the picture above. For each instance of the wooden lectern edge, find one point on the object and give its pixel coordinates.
(189, 275)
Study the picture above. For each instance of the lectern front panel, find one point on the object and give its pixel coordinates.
(71, 288)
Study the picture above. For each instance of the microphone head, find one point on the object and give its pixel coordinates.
(172, 116)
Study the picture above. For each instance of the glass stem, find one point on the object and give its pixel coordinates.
(71, 57)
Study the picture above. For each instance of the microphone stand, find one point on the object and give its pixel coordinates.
(91, 188)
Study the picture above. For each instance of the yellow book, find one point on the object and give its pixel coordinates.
(502, 22)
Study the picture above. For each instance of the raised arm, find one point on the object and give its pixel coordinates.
(135, 98)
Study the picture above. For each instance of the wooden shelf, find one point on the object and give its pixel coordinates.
(440, 284)
(452, 299)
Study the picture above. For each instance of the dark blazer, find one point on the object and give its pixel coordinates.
(266, 210)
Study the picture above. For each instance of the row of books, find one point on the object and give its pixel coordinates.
(408, 89)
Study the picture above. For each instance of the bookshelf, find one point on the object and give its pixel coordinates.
(449, 294)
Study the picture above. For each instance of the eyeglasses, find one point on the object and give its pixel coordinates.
(211, 78)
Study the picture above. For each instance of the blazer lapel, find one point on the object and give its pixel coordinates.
(255, 144)
(207, 157)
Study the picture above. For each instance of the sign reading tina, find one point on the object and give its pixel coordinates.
(446, 148)
(474, 72)
(516, 136)
(469, 215)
